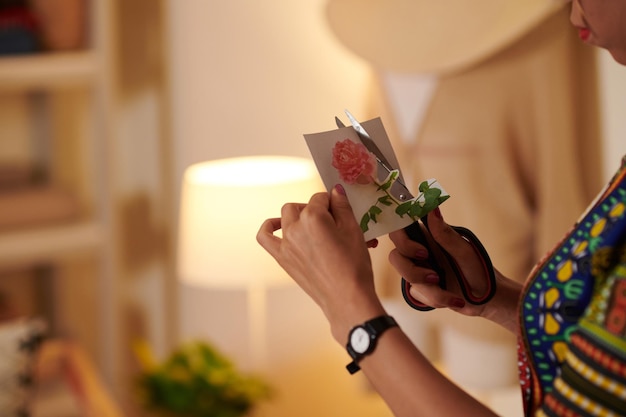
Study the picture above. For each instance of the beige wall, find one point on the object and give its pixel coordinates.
(613, 110)
(251, 77)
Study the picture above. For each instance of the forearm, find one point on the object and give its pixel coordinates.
(411, 385)
(405, 379)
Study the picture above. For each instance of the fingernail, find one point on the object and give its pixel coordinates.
(431, 279)
(457, 302)
(421, 254)
(437, 213)
(340, 189)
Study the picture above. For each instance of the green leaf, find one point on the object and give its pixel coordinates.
(442, 198)
(430, 206)
(424, 186)
(364, 222)
(385, 186)
(432, 193)
(404, 208)
(385, 200)
(417, 210)
(373, 212)
(391, 178)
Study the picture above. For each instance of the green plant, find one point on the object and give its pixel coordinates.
(429, 198)
(196, 380)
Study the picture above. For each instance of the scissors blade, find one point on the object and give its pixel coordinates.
(369, 142)
(398, 189)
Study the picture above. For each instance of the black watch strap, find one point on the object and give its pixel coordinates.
(374, 327)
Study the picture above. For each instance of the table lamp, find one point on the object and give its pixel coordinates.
(223, 204)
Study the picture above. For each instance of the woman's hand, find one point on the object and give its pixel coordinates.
(323, 250)
(409, 258)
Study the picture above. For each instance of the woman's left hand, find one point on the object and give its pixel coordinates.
(323, 250)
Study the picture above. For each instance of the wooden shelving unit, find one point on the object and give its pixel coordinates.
(50, 243)
(45, 73)
(71, 103)
(48, 70)
(103, 113)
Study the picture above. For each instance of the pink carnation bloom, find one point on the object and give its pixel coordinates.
(355, 164)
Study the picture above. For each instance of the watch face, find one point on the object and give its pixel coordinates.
(360, 340)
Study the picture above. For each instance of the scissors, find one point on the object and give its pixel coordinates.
(416, 233)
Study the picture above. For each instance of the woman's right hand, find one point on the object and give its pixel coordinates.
(409, 259)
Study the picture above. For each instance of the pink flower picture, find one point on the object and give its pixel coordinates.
(354, 163)
(377, 202)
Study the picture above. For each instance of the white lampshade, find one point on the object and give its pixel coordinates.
(223, 205)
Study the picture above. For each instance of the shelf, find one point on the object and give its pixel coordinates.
(47, 243)
(47, 70)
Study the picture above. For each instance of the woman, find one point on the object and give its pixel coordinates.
(573, 341)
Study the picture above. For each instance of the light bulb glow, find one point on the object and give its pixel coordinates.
(250, 171)
(223, 204)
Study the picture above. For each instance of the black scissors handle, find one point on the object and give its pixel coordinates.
(414, 232)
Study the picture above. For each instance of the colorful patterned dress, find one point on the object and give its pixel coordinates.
(572, 350)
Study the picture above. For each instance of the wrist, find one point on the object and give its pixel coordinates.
(502, 309)
(351, 313)
(363, 338)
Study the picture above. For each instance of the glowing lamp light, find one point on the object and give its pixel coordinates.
(223, 204)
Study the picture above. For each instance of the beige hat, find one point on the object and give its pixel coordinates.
(433, 35)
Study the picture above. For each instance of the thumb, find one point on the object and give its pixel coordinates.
(448, 238)
(340, 205)
(441, 231)
(469, 259)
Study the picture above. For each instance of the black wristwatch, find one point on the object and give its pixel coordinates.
(362, 339)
